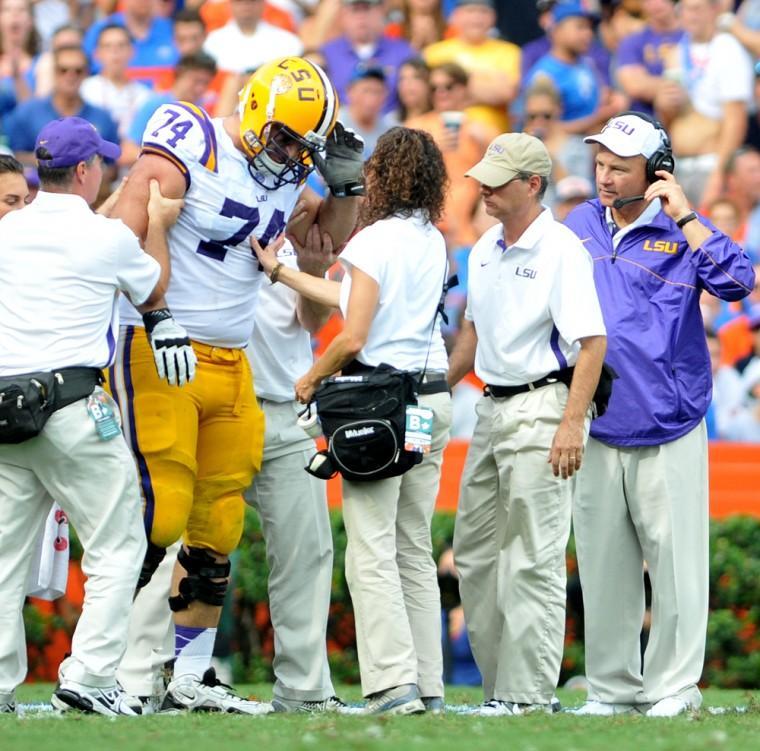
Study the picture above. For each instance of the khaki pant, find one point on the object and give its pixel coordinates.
(391, 572)
(292, 506)
(632, 506)
(95, 483)
(512, 527)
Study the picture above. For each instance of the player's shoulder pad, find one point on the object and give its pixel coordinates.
(184, 134)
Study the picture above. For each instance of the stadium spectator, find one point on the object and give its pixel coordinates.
(742, 186)
(18, 48)
(422, 23)
(189, 32)
(155, 53)
(640, 57)
(705, 105)
(493, 65)
(542, 118)
(586, 101)
(14, 191)
(570, 192)
(26, 121)
(462, 143)
(246, 41)
(534, 50)
(192, 77)
(362, 40)
(362, 110)
(111, 89)
(413, 89)
(65, 36)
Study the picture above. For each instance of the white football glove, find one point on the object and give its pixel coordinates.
(175, 359)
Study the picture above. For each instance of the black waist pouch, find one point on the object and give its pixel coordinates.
(27, 400)
(603, 391)
(363, 417)
(26, 403)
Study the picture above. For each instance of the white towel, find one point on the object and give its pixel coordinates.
(50, 568)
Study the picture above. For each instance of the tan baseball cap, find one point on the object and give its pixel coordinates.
(507, 156)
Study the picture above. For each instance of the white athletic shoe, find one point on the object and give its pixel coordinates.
(404, 699)
(330, 705)
(498, 708)
(7, 704)
(208, 694)
(670, 706)
(111, 701)
(552, 707)
(593, 708)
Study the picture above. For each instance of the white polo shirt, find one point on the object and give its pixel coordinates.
(280, 348)
(407, 258)
(530, 302)
(61, 267)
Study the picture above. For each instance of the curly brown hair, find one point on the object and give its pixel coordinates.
(405, 173)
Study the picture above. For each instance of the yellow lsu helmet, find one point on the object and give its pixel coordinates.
(286, 100)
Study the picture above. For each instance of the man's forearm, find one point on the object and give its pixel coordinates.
(157, 245)
(337, 217)
(312, 315)
(462, 357)
(585, 376)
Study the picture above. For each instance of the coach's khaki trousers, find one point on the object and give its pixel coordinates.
(512, 528)
(632, 506)
(95, 482)
(391, 572)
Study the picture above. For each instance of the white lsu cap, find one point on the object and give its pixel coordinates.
(629, 135)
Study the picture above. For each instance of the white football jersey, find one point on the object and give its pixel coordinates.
(215, 276)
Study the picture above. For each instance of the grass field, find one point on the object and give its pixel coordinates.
(562, 732)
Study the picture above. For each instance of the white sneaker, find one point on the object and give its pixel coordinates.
(208, 694)
(593, 708)
(552, 707)
(7, 704)
(330, 705)
(111, 701)
(498, 708)
(403, 699)
(670, 706)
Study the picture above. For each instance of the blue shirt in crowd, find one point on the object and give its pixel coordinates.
(26, 121)
(579, 85)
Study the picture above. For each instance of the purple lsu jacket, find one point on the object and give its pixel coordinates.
(649, 292)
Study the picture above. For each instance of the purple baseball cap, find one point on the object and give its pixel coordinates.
(70, 140)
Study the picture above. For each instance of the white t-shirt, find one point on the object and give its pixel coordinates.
(280, 348)
(530, 302)
(238, 52)
(62, 267)
(122, 102)
(717, 72)
(407, 258)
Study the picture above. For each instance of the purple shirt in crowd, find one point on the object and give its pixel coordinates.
(647, 49)
(389, 54)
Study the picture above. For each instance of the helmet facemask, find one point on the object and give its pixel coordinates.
(274, 164)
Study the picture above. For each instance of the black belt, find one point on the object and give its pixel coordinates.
(73, 384)
(558, 376)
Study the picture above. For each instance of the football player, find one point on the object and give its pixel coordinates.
(198, 448)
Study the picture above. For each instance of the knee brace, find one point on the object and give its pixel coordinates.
(153, 557)
(199, 583)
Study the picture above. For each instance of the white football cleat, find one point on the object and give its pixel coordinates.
(208, 694)
(112, 701)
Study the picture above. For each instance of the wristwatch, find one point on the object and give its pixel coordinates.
(686, 219)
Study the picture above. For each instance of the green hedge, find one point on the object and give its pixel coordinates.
(733, 645)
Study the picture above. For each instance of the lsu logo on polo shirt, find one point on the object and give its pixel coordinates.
(661, 246)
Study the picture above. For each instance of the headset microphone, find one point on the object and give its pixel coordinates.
(618, 203)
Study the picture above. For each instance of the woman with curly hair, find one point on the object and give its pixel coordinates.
(395, 267)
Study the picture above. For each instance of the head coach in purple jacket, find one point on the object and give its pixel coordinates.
(642, 495)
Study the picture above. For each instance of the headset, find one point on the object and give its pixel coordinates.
(662, 159)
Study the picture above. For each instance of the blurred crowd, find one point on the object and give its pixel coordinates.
(463, 70)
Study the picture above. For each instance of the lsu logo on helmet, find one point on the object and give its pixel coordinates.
(286, 101)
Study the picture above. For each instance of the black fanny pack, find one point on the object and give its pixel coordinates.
(27, 400)
(603, 393)
(363, 417)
